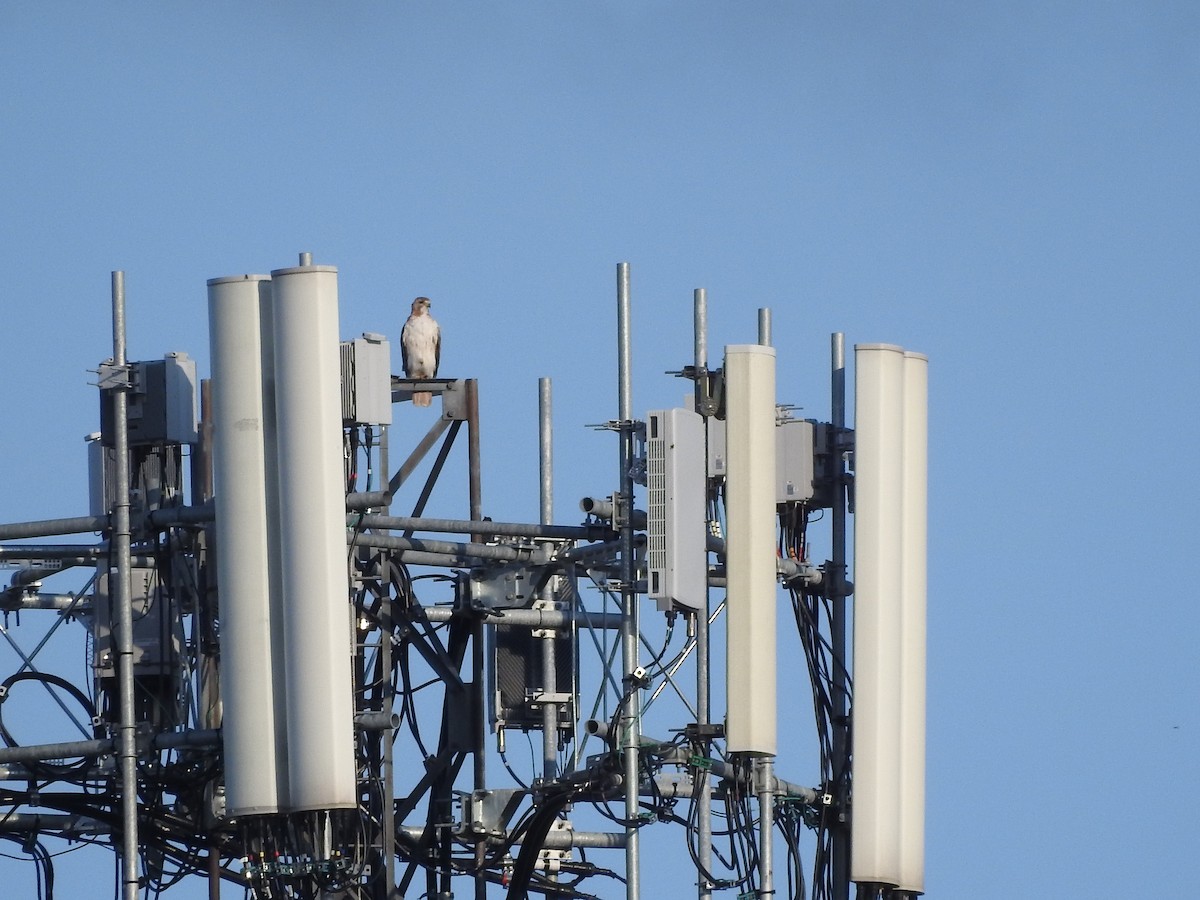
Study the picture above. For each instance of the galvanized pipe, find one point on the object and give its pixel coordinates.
(533, 618)
(764, 327)
(475, 485)
(631, 724)
(197, 514)
(202, 462)
(422, 558)
(554, 840)
(464, 526)
(449, 548)
(53, 527)
(121, 538)
(78, 554)
(549, 636)
(475, 496)
(368, 500)
(67, 824)
(674, 754)
(701, 618)
(765, 781)
(39, 600)
(546, 450)
(837, 625)
(63, 750)
(624, 345)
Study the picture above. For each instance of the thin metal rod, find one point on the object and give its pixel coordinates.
(414, 459)
(764, 327)
(27, 663)
(121, 537)
(435, 471)
(631, 724)
(836, 571)
(703, 677)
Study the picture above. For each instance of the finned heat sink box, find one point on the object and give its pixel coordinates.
(676, 514)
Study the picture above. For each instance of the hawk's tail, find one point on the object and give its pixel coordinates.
(422, 398)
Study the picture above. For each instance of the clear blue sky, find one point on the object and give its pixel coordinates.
(1011, 188)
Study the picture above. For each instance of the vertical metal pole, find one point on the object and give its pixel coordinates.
(765, 768)
(549, 636)
(764, 327)
(214, 871)
(387, 745)
(121, 536)
(700, 327)
(703, 683)
(477, 657)
(202, 470)
(476, 494)
(631, 726)
(546, 450)
(202, 492)
(837, 627)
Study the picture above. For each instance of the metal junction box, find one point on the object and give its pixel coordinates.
(793, 458)
(367, 380)
(161, 408)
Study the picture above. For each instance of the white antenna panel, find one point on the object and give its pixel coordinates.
(750, 549)
(252, 632)
(887, 829)
(317, 627)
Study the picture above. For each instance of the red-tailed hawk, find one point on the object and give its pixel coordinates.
(421, 348)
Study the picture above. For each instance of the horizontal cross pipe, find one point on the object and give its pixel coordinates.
(680, 755)
(52, 527)
(88, 552)
(174, 740)
(472, 550)
(62, 823)
(67, 554)
(466, 526)
(376, 720)
(446, 560)
(722, 769)
(183, 515)
(368, 499)
(532, 618)
(167, 740)
(66, 750)
(555, 840)
(38, 600)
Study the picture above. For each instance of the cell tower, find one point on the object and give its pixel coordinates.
(297, 692)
